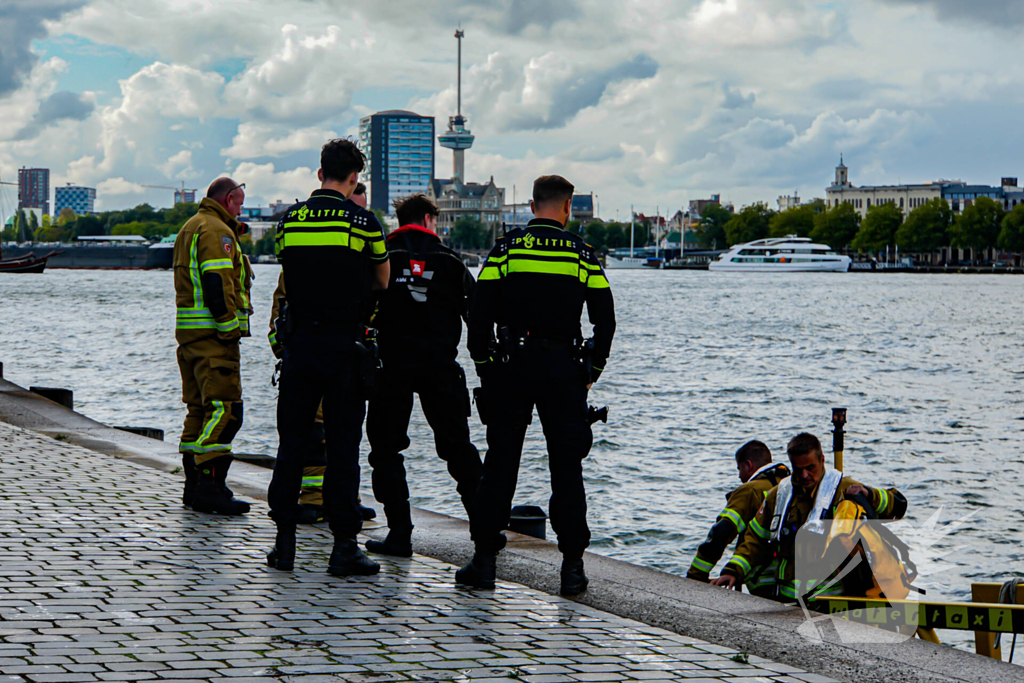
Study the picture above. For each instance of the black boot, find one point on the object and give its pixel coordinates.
(188, 464)
(282, 555)
(212, 496)
(574, 580)
(348, 560)
(310, 514)
(366, 511)
(480, 571)
(397, 544)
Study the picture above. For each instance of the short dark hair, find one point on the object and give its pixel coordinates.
(340, 158)
(360, 189)
(803, 444)
(414, 209)
(551, 189)
(755, 452)
(220, 187)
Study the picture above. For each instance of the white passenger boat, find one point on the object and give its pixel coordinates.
(618, 262)
(782, 255)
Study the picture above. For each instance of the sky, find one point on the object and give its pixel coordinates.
(647, 103)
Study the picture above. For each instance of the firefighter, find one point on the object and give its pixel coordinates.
(811, 493)
(333, 256)
(531, 292)
(759, 475)
(210, 283)
(419, 327)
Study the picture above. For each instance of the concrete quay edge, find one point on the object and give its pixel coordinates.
(736, 621)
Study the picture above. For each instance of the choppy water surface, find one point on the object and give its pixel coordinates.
(930, 367)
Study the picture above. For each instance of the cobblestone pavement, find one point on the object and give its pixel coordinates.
(104, 576)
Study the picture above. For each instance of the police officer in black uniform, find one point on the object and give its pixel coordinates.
(333, 256)
(419, 326)
(531, 293)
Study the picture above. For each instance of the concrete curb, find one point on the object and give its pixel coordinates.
(736, 621)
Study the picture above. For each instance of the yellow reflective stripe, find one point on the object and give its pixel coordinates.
(883, 500)
(216, 264)
(378, 247)
(756, 527)
(315, 239)
(742, 563)
(193, 267)
(496, 260)
(571, 255)
(317, 224)
(313, 481)
(701, 565)
(366, 233)
(490, 273)
(591, 266)
(228, 326)
(598, 282)
(735, 518)
(522, 265)
(208, 428)
(356, 243)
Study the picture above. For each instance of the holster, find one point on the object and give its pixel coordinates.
(284, 324)
(367, 362)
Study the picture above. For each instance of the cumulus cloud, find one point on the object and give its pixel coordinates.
(263, 181)
(764, 24)
(21, 22)
(734, 99)
(119, 186)
(546, 93)
(999, 13)
(255, 140)
(178, 166)
(305, 79)
(59, 106)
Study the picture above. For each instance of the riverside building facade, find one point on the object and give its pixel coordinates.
(956, 193)
(456, 199)
(34, 189)
(399, 149)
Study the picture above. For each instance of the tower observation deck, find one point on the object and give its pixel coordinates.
(457, 138)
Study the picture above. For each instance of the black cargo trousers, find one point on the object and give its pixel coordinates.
(441, 387)
(321, 365)
(548, 376)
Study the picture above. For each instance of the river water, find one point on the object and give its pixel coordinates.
(929, 366)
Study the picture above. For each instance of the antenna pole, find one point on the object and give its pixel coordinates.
(459, 33)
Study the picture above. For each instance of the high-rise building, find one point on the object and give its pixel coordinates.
(81, 200)
(184, 197)
(34, 189)
(399, 149)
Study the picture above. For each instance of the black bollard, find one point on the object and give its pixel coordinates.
(65, 397)
(528, 520)
(838, 440)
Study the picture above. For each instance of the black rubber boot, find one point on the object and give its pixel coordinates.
(311, 514)
(212, 496)
(366, 511)
(574, 579)
(282, 555)
(188, 464)
(397, 544)
(480, 571)
(348, 560)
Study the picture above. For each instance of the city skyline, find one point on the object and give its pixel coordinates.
(644, 106)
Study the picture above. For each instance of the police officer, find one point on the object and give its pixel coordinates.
(759, 475)
(311, 499)
(333, 255)
(210, 284)
(812, 492)
(419, 326)
(531, 291)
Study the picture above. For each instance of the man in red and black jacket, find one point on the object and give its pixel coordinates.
(419, 326)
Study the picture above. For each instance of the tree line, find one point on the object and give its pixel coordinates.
(983, 224)
(142, 220)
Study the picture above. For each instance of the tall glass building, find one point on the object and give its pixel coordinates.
(34, 189)
(399, 148)
(81, 200)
